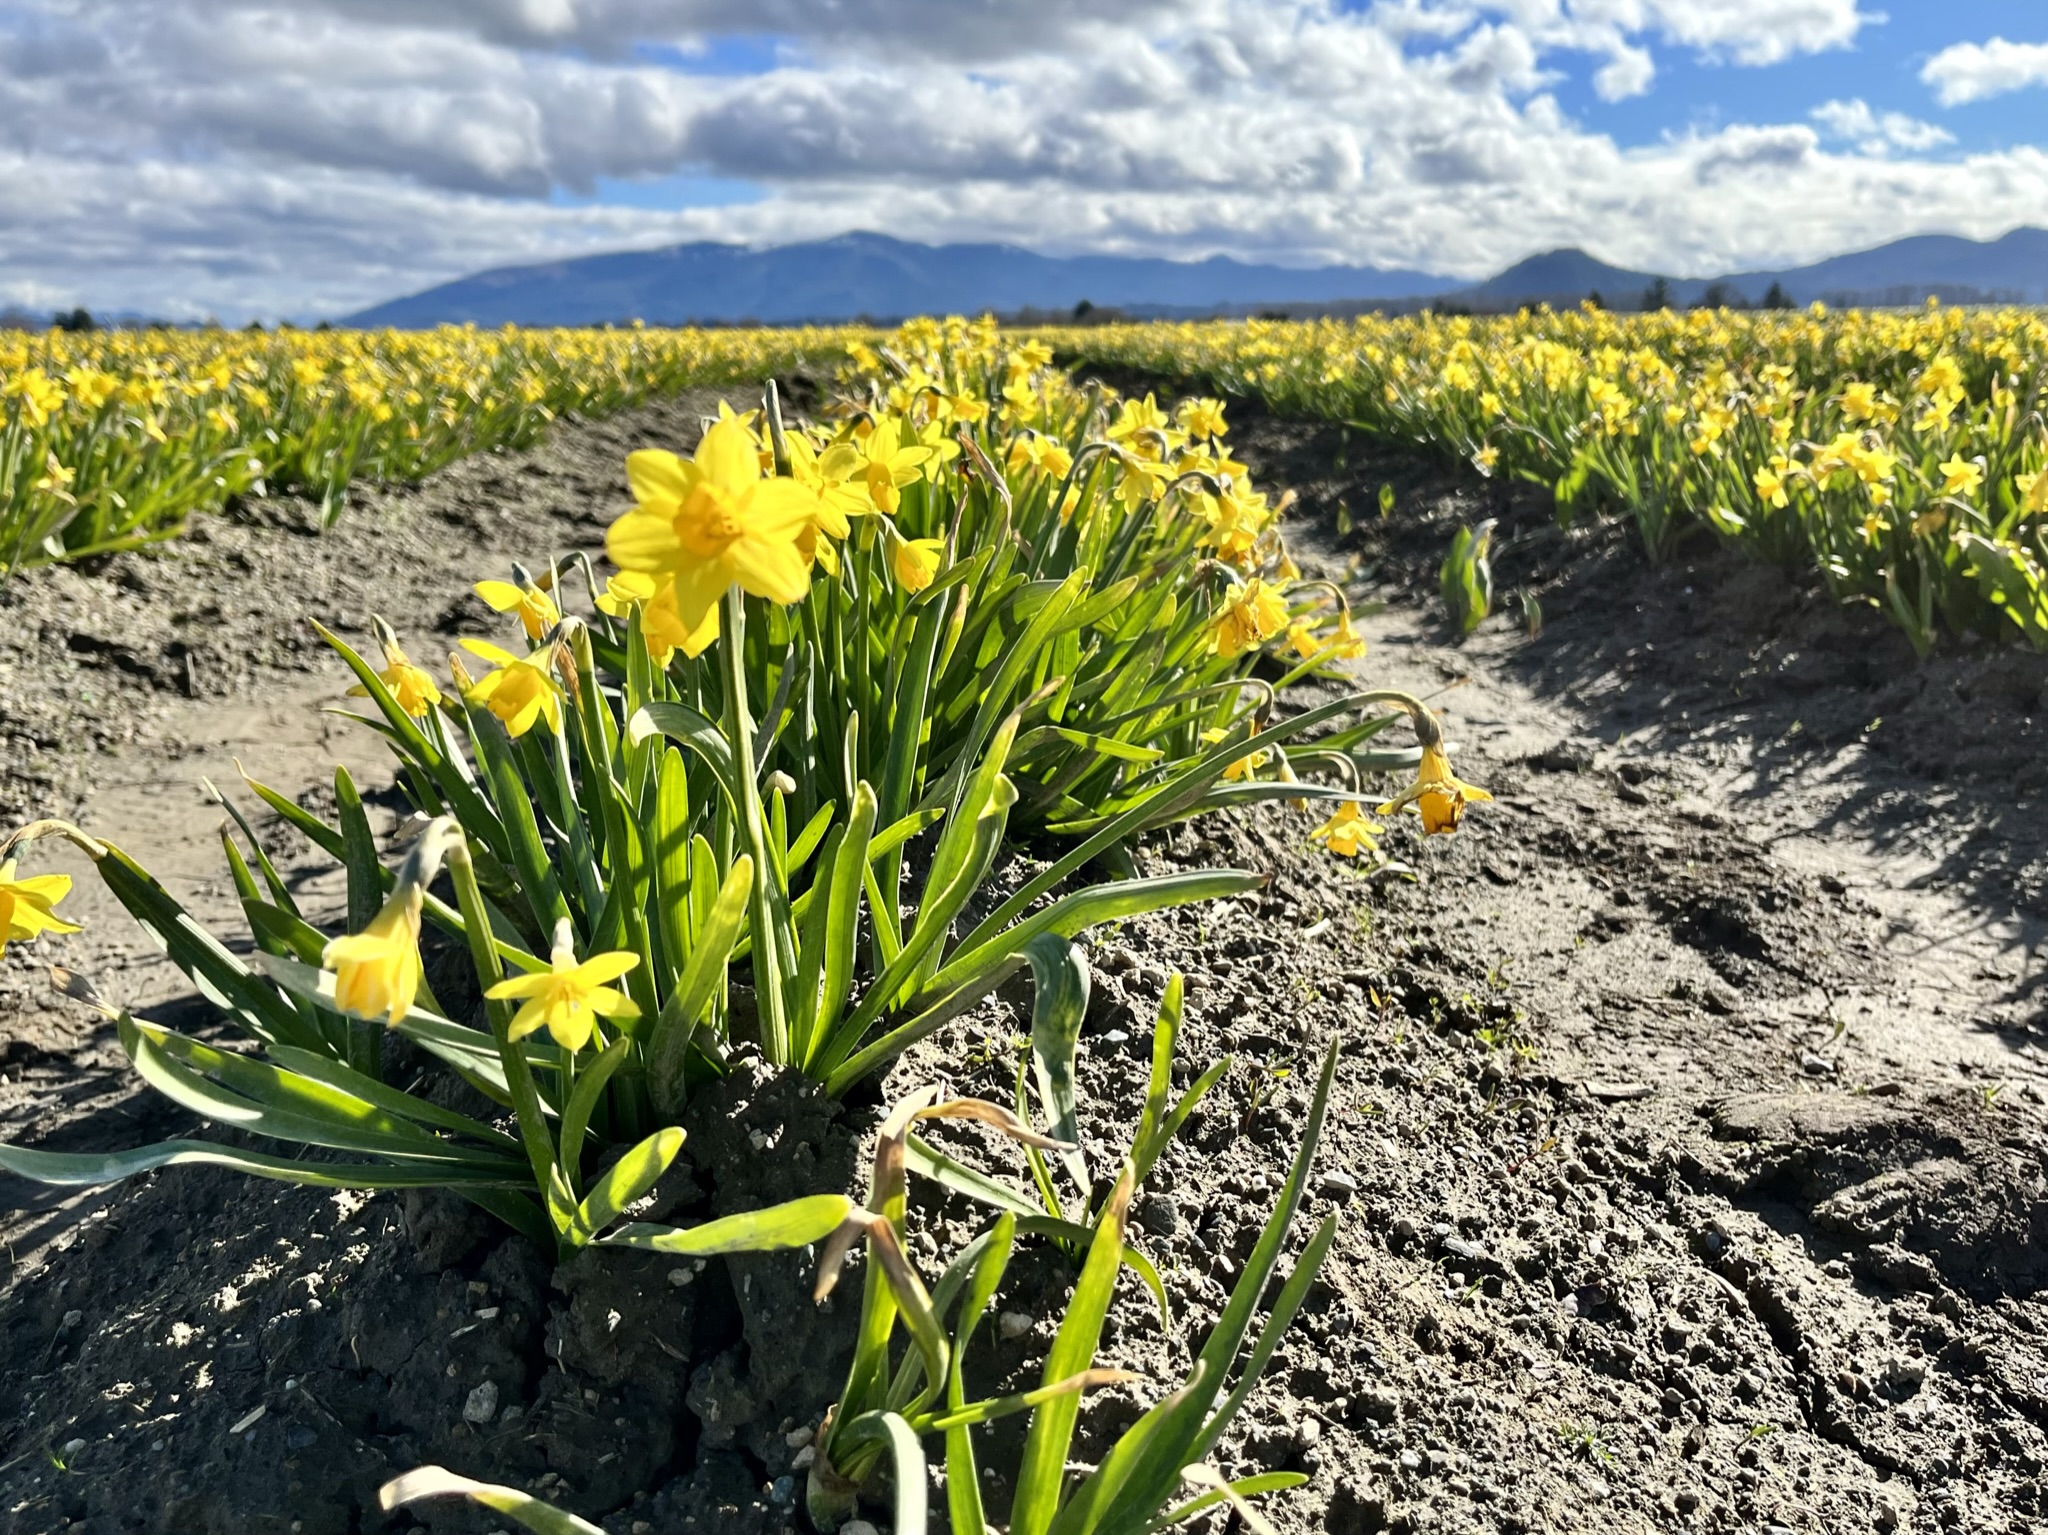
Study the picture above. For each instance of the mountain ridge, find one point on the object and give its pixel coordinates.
(865, 275)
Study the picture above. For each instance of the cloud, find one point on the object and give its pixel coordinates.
(1972, 71)
(238, 157)
(1876, 133)
(1759, 31)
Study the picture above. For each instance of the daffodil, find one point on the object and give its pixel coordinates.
(1252, 614)
(880, 462)
(536, 609)
(661, 626)
(710, 522)
(1241, 768)
(27, 905)
(519, 690)
(1961, 476)
(915, 561)
(411, 687)
(1437, 794)
(1348, 832)
(567, 999)
(1201, 418)
(377, 971)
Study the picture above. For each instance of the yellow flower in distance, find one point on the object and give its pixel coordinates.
(26, 905)
(519, 689)
(377, 971)
(536, 609)
(1961, 476)
(711, 521)
(1348, 832)
(1770, 486)
(567, 998)
(915, 561)
(1437, 794)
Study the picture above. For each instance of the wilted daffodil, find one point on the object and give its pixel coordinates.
(1437, 793)
(1252, 614)
(567, 998)
(26, 905)
(712, 521)
(1348, 832)
(536, 609)
(411, 687)
(519, 689)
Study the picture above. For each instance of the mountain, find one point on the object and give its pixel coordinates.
(1560, 277)
(2011, 269)
(870, 275)
(879, 278)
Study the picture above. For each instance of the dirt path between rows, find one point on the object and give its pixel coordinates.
(1689, 1145)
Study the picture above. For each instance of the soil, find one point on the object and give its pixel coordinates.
(1687, 1140)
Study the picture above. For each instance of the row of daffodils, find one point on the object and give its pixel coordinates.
(746, 781)
(1899, 454)
(112, 438)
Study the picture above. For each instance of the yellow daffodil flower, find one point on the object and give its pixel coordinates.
(377, 971)
(1241, 768)
(661, 626)
(1961, 476)
(915, 561)
(519, 690)
(710, 522)
(536, 609)
(879, 461)
(1201, 418)
(1252, 614)
(27, 905)
(1348, 832)
(567, 998)
(411, 687)
(1437, 794)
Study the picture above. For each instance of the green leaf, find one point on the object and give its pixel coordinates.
(796, 1223)
(220, 977)
(1245, 1487)
(1059, 1006)
(90, 1169)
(702, 978)
(590, 1085)
(628, 1178)
(685, 725)
(1042, 1469)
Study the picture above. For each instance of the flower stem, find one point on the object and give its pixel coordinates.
(476, 926)
(739, 729)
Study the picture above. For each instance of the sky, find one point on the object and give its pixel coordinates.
(253, 159)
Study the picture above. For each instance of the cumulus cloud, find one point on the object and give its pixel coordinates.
(1876, 133)
(239, 157)
(1973, 71)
